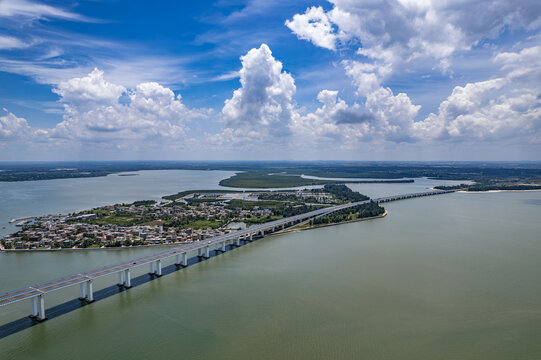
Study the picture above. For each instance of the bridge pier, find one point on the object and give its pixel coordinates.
(151, 270)
(89, 292)
(120, 278)
(41, 308)
(35, 313)
(207, 252)
(158, 268)
(250, 238)
(237, 241)
(220, 248)
(82, 291)
(127, 278)
(184, 259)
(200, 252)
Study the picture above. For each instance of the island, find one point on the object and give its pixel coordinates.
(184, 217)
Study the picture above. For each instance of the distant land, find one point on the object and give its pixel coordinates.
(491, 187)
(287, 173)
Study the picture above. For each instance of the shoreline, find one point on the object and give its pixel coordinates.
(94, 249)
(494, 191)
(487, 191)
(286, 231)
(298, 228)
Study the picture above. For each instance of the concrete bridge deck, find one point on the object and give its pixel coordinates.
(218, 243)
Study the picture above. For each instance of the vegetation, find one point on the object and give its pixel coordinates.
(252, 220)
(342, 192)
(119, 218)
(256, 179)
(289, 197)
(189, 192)
(477, 171)
(452, 187)
(144, 202)
(490, 187)
(354, 213)
(292, 197)
(259, 179)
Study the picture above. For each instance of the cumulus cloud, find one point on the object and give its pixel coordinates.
(98, 110)
(334, 122)
(315, 26)
(13, 128)
(263, 103)
(508, 107)
(401, 34)
(386, 117)
(86, 92)
(415, 28)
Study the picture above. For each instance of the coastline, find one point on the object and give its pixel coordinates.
(298, 228)
(94, 249)
(494, 191)
(294, 229)
(487, 191)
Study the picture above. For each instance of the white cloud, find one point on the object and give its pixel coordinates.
(227, 76)
(400, 35)
(385, 117)
(334, 124)
(367, 77)
(96, 110)
(35, 10)
(10, 42)
(402, 31)
(314, 26)
(13, 128)
(128, 72)
(87, 92)
(53, 54)
(506, 108)
(264, 101)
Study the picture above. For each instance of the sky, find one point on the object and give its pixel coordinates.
(270, 80)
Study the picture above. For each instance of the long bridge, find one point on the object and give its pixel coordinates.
(218, 243)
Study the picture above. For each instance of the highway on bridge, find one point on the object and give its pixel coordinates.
(218, 243)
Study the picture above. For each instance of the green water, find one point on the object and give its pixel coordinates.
(446, 277)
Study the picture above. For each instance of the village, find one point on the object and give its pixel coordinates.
(143, 223)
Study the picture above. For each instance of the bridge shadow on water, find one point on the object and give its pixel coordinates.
(72, 305)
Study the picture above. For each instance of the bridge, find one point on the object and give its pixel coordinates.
(218, 243)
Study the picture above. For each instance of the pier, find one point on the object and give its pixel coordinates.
(219, 244)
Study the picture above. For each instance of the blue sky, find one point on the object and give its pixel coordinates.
(341, 79)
